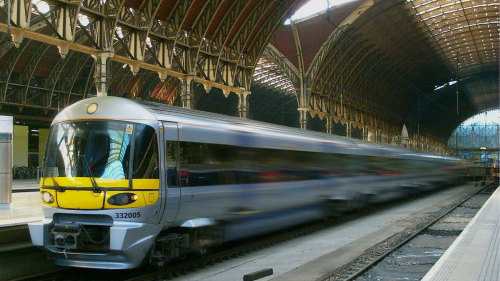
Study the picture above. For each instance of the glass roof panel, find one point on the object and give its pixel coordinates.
(466, 30)
(269, 74)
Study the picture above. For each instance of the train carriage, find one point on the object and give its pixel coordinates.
(126, 182)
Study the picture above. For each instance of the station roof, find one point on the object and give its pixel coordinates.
(403, 57)
(396, 60)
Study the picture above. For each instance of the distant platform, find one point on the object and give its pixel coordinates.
(25, 206)
(475, 254)
(28, 185)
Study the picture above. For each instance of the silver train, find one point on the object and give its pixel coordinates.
(126, 183)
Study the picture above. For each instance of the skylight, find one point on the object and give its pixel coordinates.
(314, 8)
(487, 117)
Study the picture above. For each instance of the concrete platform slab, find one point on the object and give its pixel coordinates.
(25, 206)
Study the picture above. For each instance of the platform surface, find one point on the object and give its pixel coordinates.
(25, 206)
(475, 254)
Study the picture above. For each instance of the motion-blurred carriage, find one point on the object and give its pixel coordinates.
(126, 182)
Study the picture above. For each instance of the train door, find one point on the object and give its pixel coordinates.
(173, 189)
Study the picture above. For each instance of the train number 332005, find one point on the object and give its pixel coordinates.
(127, 215)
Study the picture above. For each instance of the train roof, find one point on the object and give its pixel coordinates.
(203, 126)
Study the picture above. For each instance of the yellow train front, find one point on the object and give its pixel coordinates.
(100, 188)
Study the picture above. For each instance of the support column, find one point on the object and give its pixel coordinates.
(372, 135)
(378, 136)
(329, 125)
(243, 104)
(365, 133)
(187, 91)
(101, 79)
(303, 118)
(348, 129)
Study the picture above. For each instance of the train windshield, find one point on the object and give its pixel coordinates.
(102, 150)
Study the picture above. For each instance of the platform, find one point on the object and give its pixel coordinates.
(475, 254)
(25, 207)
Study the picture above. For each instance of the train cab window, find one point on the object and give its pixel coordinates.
(99, 149)
(145, 153)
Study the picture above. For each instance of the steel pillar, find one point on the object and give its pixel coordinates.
(101, 73)
(303, 118)
(365, 133)
(348, 129)
(187, 91)
(243, 104)
(329, 125)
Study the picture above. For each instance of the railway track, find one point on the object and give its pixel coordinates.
(360, 268)
(14, 238)
(227, 252)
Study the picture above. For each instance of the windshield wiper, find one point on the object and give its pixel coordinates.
(95, 187)
(58, 187)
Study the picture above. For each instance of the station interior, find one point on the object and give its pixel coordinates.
(420, 76)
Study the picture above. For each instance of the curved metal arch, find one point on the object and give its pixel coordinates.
(53, 78)
(30, 69)
(330, 42)
(259, 41)
(334, 73)
(123, 84)
(150, 80)
(245, 32)
(8, 68)
(242, 75)
(269, 28)
(367, 68)
(284, 63)
(88, 83)
(219, 38)
(77, 74)
(5, 44)
(180, 10)
(68, 78)
(358, 83)
(198, 39)
(331, 62)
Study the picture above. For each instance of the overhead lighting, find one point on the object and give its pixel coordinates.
(438, 87)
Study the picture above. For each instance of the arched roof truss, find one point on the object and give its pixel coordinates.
(217, 43)
(384, 59)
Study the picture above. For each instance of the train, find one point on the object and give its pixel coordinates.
(126, 183)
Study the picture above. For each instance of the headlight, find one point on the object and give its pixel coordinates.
(47, 197)
(122, 199)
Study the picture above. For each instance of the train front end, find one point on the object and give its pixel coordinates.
(100, 188)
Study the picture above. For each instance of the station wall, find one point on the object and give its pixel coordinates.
(20, 146)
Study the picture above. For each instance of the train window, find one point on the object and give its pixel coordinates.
(204, 164)
(145, 153)
(100, 149)
(172, 168)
